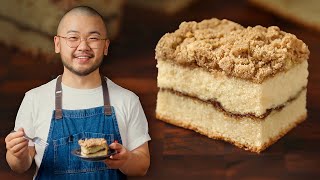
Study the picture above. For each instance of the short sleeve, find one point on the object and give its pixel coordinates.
(24, 116)
(138, 126)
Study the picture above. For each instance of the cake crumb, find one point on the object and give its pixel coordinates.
(92, 142)
(252, 53)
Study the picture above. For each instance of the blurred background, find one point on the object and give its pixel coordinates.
(27, 60)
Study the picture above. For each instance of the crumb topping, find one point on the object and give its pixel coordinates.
(252, 53)
(92, 142)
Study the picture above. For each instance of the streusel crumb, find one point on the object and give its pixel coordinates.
(252, 53)
(92, 142)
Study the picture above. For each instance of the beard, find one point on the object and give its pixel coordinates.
(83, 72)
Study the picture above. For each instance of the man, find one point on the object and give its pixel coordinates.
(80, 104)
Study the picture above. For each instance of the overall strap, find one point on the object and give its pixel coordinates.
(106, 98)
(58, 102)
(58, 99)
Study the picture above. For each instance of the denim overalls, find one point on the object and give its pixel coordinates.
(67, 127)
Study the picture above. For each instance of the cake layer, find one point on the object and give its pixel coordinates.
(93, 149)
(303, 12)
(44, 15)
(37, 42)
(103, 152)
(34, 42)
(162, 6)
(235, 95)
(244, 132)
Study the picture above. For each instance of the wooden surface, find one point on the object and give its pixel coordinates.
(176, 152)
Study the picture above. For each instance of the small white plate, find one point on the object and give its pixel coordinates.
(77, 152)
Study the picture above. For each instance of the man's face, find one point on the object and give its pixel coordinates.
(82, 59)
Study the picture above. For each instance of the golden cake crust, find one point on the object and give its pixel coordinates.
(252, 53)
(247, 147)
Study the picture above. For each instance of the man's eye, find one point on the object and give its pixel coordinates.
(93, 39)
(73, 38)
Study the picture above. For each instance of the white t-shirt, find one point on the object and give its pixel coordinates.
(36, 110)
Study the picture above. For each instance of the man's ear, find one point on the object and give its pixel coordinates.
(56, 44)
(106, 47)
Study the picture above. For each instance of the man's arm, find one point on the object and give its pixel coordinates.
(131, 163)
(19, 155)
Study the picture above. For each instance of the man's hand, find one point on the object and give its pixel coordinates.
(131, 163)
(19, 155)
(16, 144)
(118, 160)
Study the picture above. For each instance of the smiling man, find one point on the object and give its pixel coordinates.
(80, 104)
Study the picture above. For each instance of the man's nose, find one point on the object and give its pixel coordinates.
(83, 45)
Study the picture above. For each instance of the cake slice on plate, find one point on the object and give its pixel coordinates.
(93, 147)
(246, 86)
